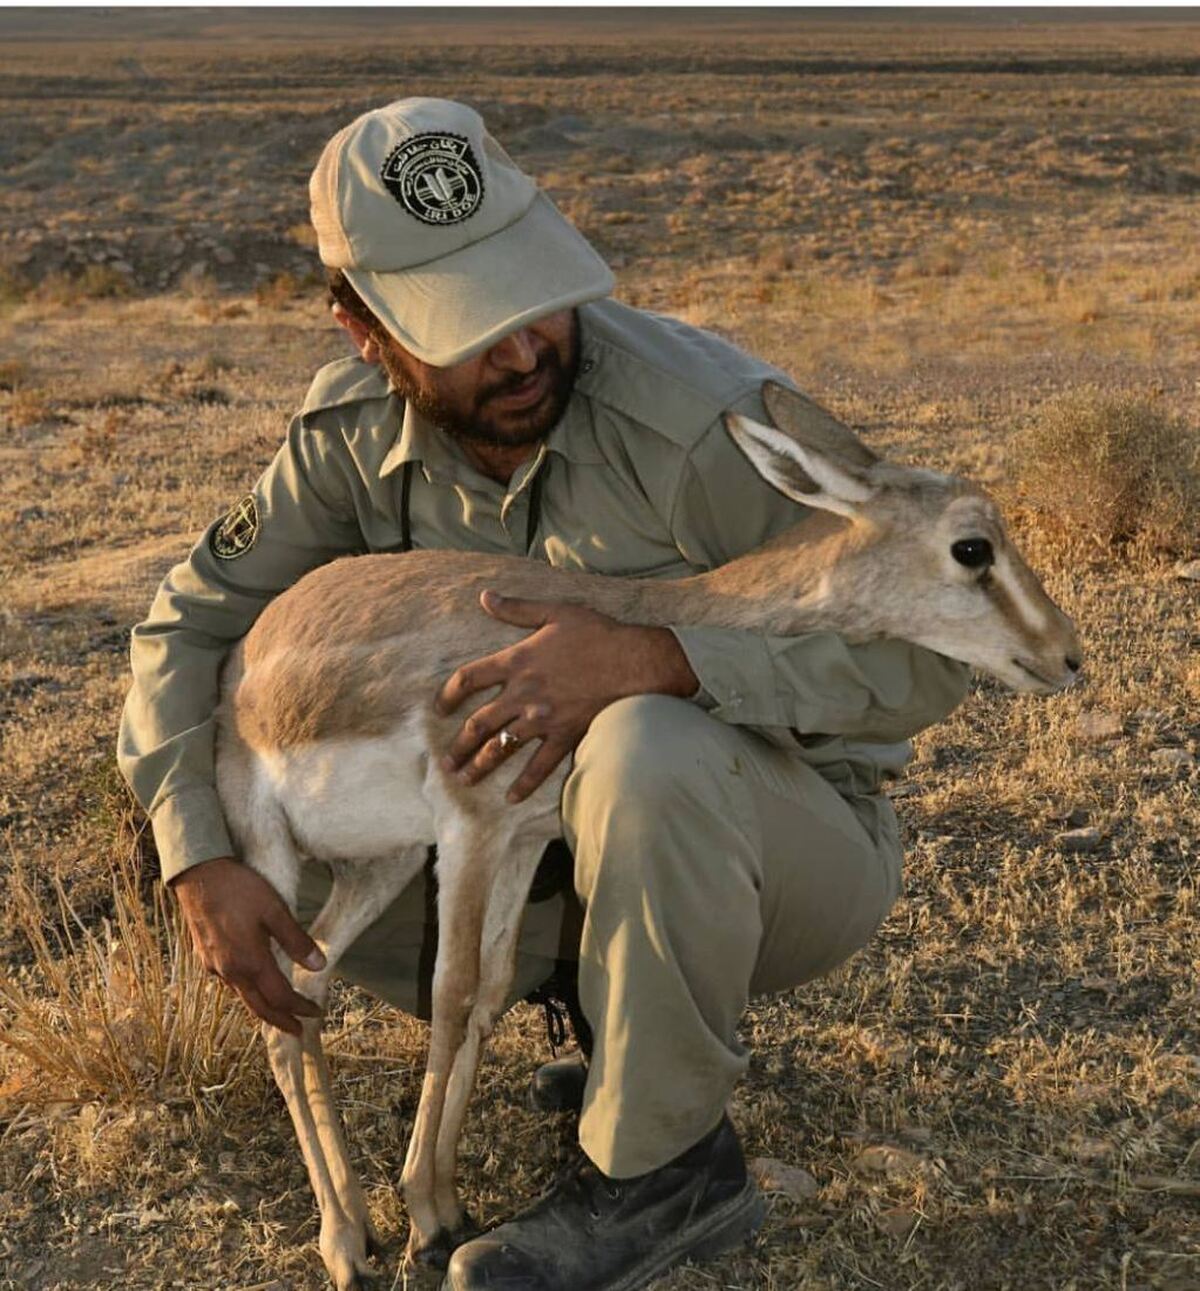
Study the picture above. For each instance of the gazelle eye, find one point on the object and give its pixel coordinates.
(975, 553)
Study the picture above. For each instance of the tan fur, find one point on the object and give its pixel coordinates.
(355, 644)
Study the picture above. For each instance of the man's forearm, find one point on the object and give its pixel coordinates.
(882, 691)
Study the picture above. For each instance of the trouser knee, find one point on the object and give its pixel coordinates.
(649, 768)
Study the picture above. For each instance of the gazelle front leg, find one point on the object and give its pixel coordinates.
(360, 893)
(346, 1239)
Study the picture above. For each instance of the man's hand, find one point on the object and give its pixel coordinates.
(233, 914)
(575, 662)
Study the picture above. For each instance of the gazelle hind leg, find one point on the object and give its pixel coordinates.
(360, 893)
(497, 963)
(462, 871)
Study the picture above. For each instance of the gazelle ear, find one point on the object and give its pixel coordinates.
(802, 473)
(810, 426)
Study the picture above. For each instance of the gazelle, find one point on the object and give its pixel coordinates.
(330, 746)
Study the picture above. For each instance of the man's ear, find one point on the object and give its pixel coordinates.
(359, 333)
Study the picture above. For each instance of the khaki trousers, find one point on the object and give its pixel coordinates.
(710, 865)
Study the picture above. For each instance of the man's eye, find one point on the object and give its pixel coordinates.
(975, 553)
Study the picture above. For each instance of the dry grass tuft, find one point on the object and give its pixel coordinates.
(118, 1013)
(1103, 471)
(26, 409)
(95, 282)
(279, 291)
(14, 373)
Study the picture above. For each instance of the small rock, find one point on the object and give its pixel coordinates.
(881, 1158)
(1189, 569)
(778, 1176)
(1067, 814)
(123, 266)
(1078, 840)
(1091, 1151)
(1094, 982)
(223, 255)
(899, 1221)
(1098, 724)
(1172, 759)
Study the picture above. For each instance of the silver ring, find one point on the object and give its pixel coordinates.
(507, 740)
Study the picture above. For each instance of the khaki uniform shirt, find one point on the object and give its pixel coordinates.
(638, 478)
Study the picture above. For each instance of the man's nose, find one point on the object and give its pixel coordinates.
(516, 352)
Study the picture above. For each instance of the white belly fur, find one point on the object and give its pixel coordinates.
(353, 799)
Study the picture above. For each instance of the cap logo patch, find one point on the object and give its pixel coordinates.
(435, 177)
(237, 532)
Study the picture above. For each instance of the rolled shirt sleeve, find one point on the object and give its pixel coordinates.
(883, 691)
(303, 517)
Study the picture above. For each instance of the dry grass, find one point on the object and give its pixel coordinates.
(1001, 1091)
(122, 1012)
(95, 282)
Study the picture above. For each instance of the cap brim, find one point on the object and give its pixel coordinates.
(449, 309)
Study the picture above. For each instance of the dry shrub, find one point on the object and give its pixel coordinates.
(119, 1013)
(14, 286)
(26, 409)
(1103, 471)
(278, 292)
(96, 282)
(14, 373)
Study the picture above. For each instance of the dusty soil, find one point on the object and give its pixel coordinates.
(934, 225)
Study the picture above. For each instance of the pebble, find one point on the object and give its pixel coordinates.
(1170, 759)
(223, 255)
(1098, 724)
(1079, 840)
(1188, 569)
(881, 1158)
(778, 1176)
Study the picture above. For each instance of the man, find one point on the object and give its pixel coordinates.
(724, 807)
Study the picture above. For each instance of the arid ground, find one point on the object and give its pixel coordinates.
(936, 224)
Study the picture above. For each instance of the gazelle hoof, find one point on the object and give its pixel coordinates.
(436, 1252)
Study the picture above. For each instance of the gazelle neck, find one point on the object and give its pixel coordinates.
(782, 587)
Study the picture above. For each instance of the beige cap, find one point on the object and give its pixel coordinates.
(449, 243)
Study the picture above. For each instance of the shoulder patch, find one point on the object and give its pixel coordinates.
(237, 532)
(345, 381)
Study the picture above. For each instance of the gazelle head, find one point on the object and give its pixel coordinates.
(929, 562)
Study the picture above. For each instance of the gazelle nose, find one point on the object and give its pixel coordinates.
(1074, 664)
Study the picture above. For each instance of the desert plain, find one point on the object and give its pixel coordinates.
(940, 225)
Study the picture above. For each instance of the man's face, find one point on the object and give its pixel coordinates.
(508, 396)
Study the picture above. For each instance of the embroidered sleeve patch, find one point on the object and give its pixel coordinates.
(236, 533)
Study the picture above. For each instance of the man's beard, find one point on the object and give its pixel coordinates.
(525, 426)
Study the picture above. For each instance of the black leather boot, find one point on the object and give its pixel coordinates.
(593, 1233)
(558, 1086)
